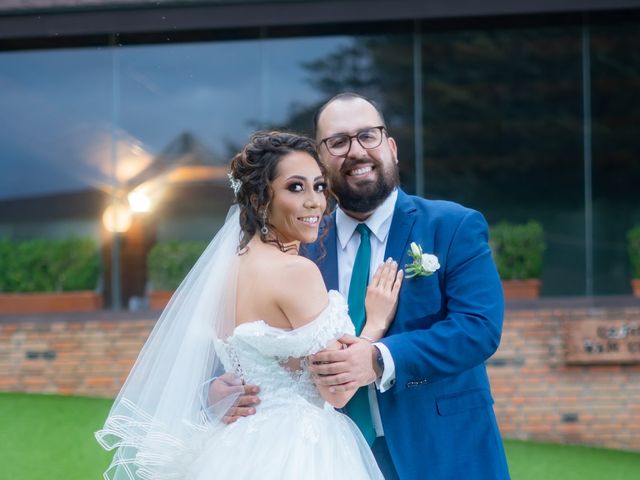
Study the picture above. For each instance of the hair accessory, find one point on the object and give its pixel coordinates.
(236, 184)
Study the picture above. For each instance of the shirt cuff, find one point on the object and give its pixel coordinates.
(388, 378)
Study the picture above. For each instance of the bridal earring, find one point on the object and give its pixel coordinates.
(264, 230)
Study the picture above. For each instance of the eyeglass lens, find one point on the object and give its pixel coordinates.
(367, 138)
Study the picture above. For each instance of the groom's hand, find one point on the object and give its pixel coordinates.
(346, 369)
(229, 384)
(245, 405)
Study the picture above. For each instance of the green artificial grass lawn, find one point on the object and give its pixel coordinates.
(550, 461)
(46, 436)
(51, 437)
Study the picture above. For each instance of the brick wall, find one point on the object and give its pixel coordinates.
(537, 395)
(70, 357)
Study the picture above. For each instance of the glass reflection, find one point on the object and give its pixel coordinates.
(615, 93)
(154, 127)
(503, 135)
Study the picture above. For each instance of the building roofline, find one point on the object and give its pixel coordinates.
(249, 19)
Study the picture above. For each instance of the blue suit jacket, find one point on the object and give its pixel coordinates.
(438, 417)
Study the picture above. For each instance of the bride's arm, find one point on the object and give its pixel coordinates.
(302, 296)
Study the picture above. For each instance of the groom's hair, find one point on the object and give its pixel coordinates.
(344, 96)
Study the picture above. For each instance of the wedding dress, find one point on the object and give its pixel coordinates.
(294, 434)
(161, 430)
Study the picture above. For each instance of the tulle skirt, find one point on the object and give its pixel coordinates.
(292, 440)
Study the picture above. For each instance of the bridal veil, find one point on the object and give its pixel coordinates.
(160, 410)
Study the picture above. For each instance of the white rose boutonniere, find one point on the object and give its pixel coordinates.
(424, 264)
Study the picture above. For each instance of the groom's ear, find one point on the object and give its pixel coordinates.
(393, 147)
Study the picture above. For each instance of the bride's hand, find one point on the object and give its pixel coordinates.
(382, 299)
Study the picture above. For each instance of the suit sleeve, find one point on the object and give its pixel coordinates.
(474, 305)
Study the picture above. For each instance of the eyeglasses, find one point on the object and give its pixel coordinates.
(368, 138)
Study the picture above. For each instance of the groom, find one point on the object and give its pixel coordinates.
(430, 414)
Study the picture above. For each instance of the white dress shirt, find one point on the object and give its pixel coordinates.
(348, 242)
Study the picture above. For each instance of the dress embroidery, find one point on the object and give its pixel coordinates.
(258, 352)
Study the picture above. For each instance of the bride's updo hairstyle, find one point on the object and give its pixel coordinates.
(252, 173)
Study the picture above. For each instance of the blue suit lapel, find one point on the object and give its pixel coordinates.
(329, 264)
(404, 216)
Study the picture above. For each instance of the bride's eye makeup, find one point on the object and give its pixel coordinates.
(298, 185)
(295, 187)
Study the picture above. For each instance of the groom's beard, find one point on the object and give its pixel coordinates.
(366, 197)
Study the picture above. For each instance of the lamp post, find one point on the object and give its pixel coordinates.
(116, 219)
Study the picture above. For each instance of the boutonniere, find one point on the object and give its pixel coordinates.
(424, 264)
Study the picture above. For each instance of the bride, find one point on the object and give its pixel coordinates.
(252, 308)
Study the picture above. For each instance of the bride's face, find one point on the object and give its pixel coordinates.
(298, 200)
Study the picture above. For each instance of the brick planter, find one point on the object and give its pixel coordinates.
(83, 301)
(159, 299)
(521, 289)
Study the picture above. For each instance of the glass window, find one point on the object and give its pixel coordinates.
(502, 134)
(55, 141)
(615, 93)
(377, 66)
(154, 127)
(502, 118)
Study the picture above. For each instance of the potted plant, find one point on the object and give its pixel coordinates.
(633, 237)
(167, 265)
(38, 276)
(518, 250)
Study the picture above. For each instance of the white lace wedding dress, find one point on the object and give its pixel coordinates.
(294, 434)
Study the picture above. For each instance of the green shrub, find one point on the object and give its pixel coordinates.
(5, 254)
(633, 236)
(518, 249)
(169, 262)
(49, 265)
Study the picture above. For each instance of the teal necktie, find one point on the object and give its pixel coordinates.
(358, 407)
